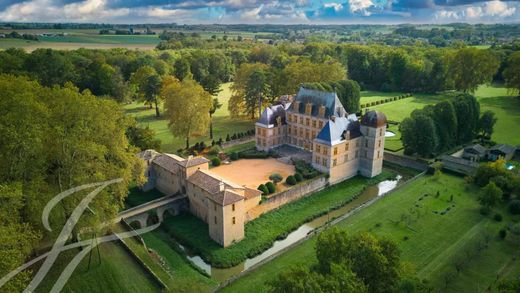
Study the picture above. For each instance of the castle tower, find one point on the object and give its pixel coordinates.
(373, 128)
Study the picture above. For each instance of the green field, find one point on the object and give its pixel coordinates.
(222, 123)
(262, 232)
(493, 98)
(430, 241)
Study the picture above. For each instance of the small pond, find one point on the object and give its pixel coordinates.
(370, 193)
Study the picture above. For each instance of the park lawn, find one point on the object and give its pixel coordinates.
(181, 270)
(15, 43)
(373, 96)
(223, 124)
(138, 197)
(432, 240)
(261, 233)
(117, 272)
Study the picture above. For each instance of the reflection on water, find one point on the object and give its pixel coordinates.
(368, 194)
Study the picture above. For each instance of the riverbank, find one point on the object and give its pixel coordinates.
(264, 231)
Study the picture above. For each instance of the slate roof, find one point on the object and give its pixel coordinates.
(374, 119)
(476, 148)
(190, 162)
(166, 162)
(226, 197)
(148, 155)
(334, 131)
(317, 98)
(250, 193)
(270, 114)
(502, 148)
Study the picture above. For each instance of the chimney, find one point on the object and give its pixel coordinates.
(221, 185)
(322, 111)
(347, 136)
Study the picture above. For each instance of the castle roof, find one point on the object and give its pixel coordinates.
(374, 119)
(211, 182)
(335, 130)
(170, 161)
(318, 98)
(271, 113)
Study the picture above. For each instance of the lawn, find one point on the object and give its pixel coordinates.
(430, 241)
(494, 98)
(116, 272)
(138, 197)
(223, 124)
(262, 232)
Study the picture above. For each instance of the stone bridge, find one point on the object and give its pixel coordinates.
(140, 214)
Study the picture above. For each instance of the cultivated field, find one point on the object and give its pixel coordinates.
(432, 232)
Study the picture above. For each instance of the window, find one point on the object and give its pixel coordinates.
(215, 219)
(301, 120)
(234, 221)
(324, 162)
(318, 148)
(325, 151)
(317, 160)
(346, 147)
(308, 122)
(320, 124)
(215, 206)
(233, 207)
(313, 123)
(379, 143)
(381, 132)
(366, 142)
(307, 133)
(378, 154)
(314, 134)
(335, 150)
(334, 162)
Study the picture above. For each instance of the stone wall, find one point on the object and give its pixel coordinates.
(417, 164)
(294, 193)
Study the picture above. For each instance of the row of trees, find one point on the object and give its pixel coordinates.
(54, 139)
(440, 127)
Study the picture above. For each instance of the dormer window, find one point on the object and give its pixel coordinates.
(308, 109)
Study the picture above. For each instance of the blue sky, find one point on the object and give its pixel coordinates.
(257, 11)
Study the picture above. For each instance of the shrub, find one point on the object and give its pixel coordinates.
(253, 154)
(220, 141)
(263, 189)
(372, 104)
(215, 149)
(228, 138)
(290, 180)
(305, 169)
(485, 210)
(270, 187)
(298, 177)
(234, 156)
(498, 217)
(362, 106)
(514, 207)
(502, 233)
(215, 162)
(275, 177)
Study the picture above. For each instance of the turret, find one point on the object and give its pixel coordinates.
(373, 129)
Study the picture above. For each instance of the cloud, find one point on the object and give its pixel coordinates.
(490, 11)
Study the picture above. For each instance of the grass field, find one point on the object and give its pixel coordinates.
(493, 98)
(261, 233)
(222, 123)
(117, 272)
(430, 241)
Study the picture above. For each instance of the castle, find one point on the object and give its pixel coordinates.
(316, 121)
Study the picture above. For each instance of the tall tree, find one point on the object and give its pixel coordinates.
(487, 122)
(512, 73)
(490, 195)
(182, 68)
(151, 90)
(187, 107)
(446, 124)
(214, 107)
(468, 112)
(139, 78)
(471, 67)
(256, 89)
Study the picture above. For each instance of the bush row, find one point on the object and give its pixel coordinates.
(293, 179)
(383, 101)
(305, 169)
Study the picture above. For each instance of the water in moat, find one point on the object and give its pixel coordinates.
(224, 274)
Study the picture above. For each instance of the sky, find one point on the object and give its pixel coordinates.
(261, 12)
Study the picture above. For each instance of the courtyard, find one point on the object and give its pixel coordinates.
(253, 172)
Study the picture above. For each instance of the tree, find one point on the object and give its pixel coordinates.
(214, 107)
(376, 262)
(512, 73)
(140, 78)
(142, 137)
(446, 124)
(182, 68)
(419, 134)
(487, 122)
(255, 91)
(187, 107)
(237, 102)
(151, 90)
(471, 67)
(467, 109)
(306, 72)
(490, 195)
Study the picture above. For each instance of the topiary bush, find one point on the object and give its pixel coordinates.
(275, 177)
(290, 180)
(263, 189)
(270, 187)
(514, 207)
(215, 162)
(298, 177)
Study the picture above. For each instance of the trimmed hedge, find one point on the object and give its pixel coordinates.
(306, 169)
(271, 187)
(298, 177)
(290, 180)
(215, 162)
(263, 189)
